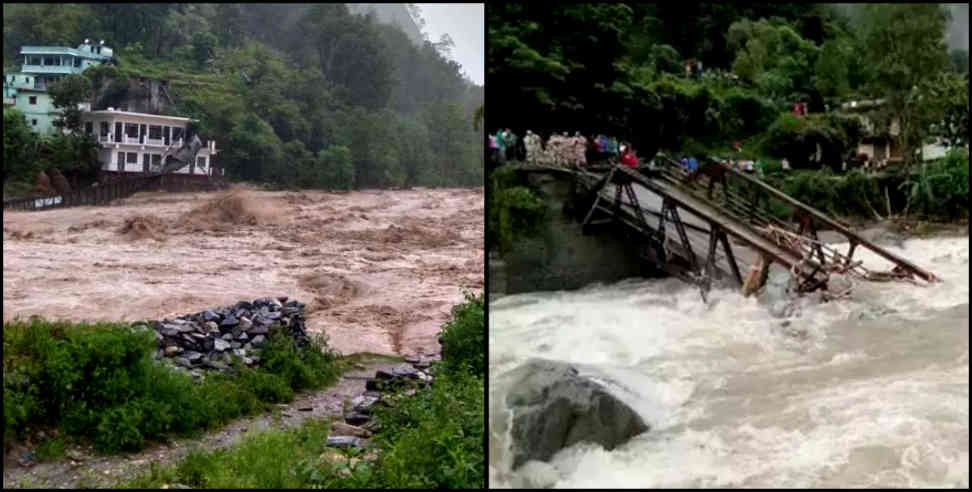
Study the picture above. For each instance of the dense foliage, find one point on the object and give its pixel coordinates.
(514, 209)
(320, 97)
(463, 338)
(618, 69)
(100, 382)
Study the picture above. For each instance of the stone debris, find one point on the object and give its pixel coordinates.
(409, 375)
(212, 338)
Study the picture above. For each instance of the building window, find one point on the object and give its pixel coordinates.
(104, 128)
(133, 158)
(33, 60)
(121, 161)
(77, 62)
(156, 160)
(88, 127)
(131, 130)
(155, 132)
(32, 99)
(145, 162)
(52, 60)
(201, 162)
(33, 122)
(176, 132)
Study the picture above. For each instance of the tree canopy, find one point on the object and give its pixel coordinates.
(620, 69)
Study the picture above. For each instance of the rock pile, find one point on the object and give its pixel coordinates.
(210, 339)
(411, 375)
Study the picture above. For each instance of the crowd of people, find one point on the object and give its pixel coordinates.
(561, 149)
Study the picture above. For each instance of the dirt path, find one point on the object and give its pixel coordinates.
(378, 269)
(86, 468)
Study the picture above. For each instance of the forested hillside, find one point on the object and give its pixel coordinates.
(304, 95)
(620, 69)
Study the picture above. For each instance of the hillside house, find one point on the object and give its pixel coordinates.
(42, 66)
(878, 143)
(134, 143)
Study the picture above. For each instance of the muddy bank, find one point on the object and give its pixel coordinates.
(380, 270)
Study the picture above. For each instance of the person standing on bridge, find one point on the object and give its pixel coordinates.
(493, 149)
(509, 140)
(628, 156)
(693, 164)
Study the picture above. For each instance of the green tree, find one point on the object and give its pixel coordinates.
(66, 95)
(666, 59)
(831, 70)
(19, 147)
(254, 151)
(905, 46)
(338, 167)
(203, 47)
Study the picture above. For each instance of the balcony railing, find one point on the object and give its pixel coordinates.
(154, 141)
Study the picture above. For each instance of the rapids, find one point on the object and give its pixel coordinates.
(871, 391)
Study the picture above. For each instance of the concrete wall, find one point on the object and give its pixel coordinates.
(560, 256)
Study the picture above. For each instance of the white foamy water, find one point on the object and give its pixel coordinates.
(867, 392)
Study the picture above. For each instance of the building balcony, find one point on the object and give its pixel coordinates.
(155, 141)
(51, 69)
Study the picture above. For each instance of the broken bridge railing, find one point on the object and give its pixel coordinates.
(749, 198)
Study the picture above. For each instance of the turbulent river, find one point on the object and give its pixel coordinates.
(872, 391)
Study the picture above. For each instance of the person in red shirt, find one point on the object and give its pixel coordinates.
(628, 156)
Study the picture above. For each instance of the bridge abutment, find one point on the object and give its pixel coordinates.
(560, 256)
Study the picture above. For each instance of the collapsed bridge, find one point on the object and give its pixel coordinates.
(700, 236)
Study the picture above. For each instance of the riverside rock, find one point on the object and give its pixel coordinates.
(554, 407)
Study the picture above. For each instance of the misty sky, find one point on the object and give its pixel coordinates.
(465, 24)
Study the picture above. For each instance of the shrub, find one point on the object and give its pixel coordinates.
(463, 337)
(99, 381)
(515, 210)
(941, 189)
(433, 439)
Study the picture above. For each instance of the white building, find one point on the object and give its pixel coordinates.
(136, 142)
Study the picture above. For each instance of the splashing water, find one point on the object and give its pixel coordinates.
(871, 391)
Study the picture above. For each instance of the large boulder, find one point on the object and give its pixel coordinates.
(554, 407)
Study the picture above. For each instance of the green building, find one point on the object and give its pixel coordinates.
(42, 66)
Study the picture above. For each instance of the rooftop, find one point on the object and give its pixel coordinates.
(129, 113)
(61, 50)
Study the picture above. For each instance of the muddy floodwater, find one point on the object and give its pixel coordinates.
(379, 270)
(871, 391)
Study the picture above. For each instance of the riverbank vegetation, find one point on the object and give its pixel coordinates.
(695, 79)
(432, 438)
(99, 383)
(321, 98)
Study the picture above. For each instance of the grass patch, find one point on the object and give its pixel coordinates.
(99, 382)
(268, 460)
(431, 439)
